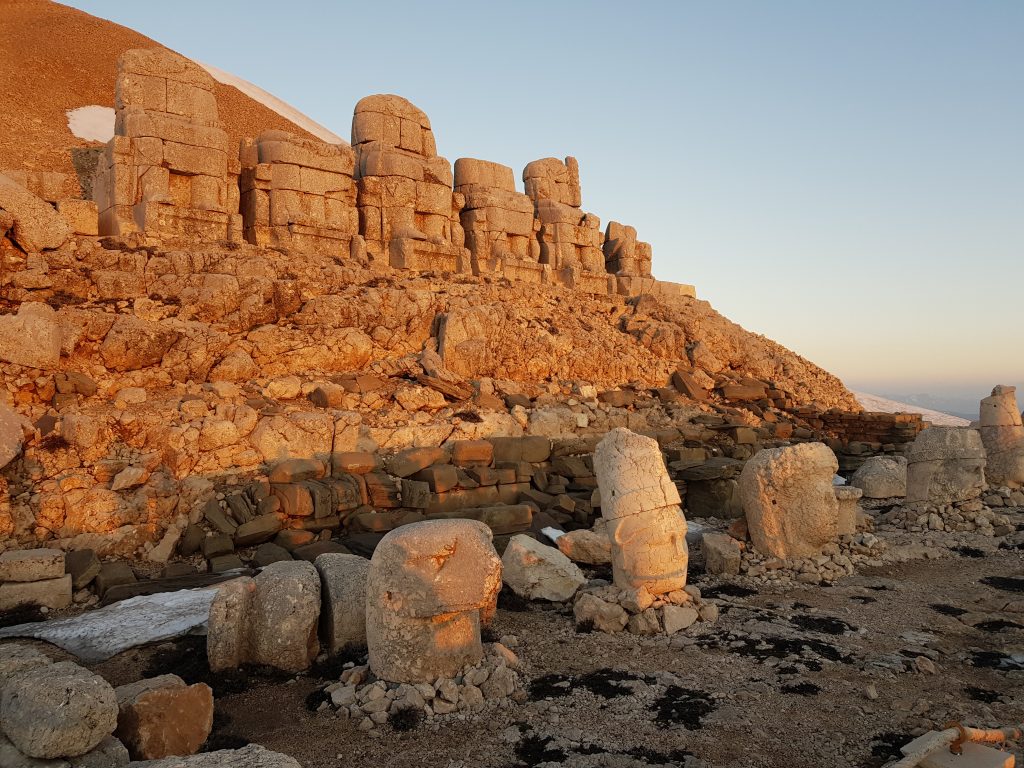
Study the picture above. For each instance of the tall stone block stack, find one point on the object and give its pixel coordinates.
(299, 194)
(168, 172)
(501, 232)
(570, 240)
(408, 212)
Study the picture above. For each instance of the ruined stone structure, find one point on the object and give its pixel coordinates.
(427, 585)
(299, 194)
(408, 213)
(1003, 436)
(501, 232)
(168, 172)
(640, 503)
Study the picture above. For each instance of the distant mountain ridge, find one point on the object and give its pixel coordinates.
(884, 405)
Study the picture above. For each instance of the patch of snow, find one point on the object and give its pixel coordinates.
(98, 635)
(92, 123)
(270, 101)
(884, 405)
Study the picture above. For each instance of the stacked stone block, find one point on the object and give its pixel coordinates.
(408, 213)
(498, 221)
(168, 171)
(299, 194)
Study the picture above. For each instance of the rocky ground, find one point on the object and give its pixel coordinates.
(791, 675)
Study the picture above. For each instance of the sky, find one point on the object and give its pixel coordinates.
(845, 178)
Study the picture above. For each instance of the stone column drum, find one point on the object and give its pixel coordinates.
(642, 507)
(425, 589)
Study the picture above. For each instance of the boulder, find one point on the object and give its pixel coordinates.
(162, 716)
(37, 226)
(678, 617)
(945, 465)
(788, 500)
(722, 554)
(57, 710)
(882, 477)
(605, 616)
(32, 337)
(343, 610)
(538, 572)
(588, 547)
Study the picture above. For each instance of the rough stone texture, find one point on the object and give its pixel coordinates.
(605, 616)
(57, 710)
(110, 753)
(270, 620)
(343, 610)
(588, 547)
(539, 572)
(722, 554)
(49, 593)
(848, 497)
(1003, 436)
(162, 716)
(251, 756)
(32, 337)
(882, 477)
(640, 504)
(37, 226)
(31, 564)
(789, 501)
(945, 465)
(426, 588)
(12, 431)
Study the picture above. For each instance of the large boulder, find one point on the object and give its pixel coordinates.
(37, 225)
(882, 477)
(1003, 436)
(162, 716)
(343, 610)
(57, 710)
(945, 465)
(538, 572)
(32, 337)
(788, 499)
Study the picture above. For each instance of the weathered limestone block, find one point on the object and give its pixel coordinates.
(848, 497)
(605, 616)
(168, 172)
(32, 337)
(48, 593)
(1003, 437)
(270, 620)
(945, 465)
(640, 504)
(408, 213)
(162, 716)
(13, 429)
(37, 226)
(722, 554)
(298, 193)
(133, 343)
(57, 710)
(589, 547)
(539, 572)
(343, 590)
(31, 564)
(426, 587)
(882, 477)
(788, 499)
(252, 756)
(498, 220)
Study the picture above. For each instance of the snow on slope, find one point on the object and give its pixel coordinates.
(883, 405)
(272, 102)
(92, 123)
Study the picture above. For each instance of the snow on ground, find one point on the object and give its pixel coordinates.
(883, 405)
(272, 102)
(92, 123)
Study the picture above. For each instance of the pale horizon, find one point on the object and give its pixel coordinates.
(847, 180)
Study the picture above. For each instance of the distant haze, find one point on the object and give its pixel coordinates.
(845, 178)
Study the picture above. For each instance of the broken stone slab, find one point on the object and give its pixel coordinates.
(112, 574)
(296, 470)
(58, 710)
(539, 572)
(722, 554)
(225, 564)
(251, 756)
(585, 546)
(678, 617)
(472, 453)
(533, 449)
(257, 531)
(32, 337)
(13, 427)
(343, 594)
(162, 716)
(31, 564)
(410, 461)
(268, 553)
(97, 635)
(49, 593)
(37, 226)
(604, 615)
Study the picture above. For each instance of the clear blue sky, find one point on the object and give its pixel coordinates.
(846, 178)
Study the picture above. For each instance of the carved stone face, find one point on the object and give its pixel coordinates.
(650, 550)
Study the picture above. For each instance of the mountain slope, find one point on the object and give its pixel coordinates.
(54, 59)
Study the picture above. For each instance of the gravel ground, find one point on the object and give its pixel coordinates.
(802, 676)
